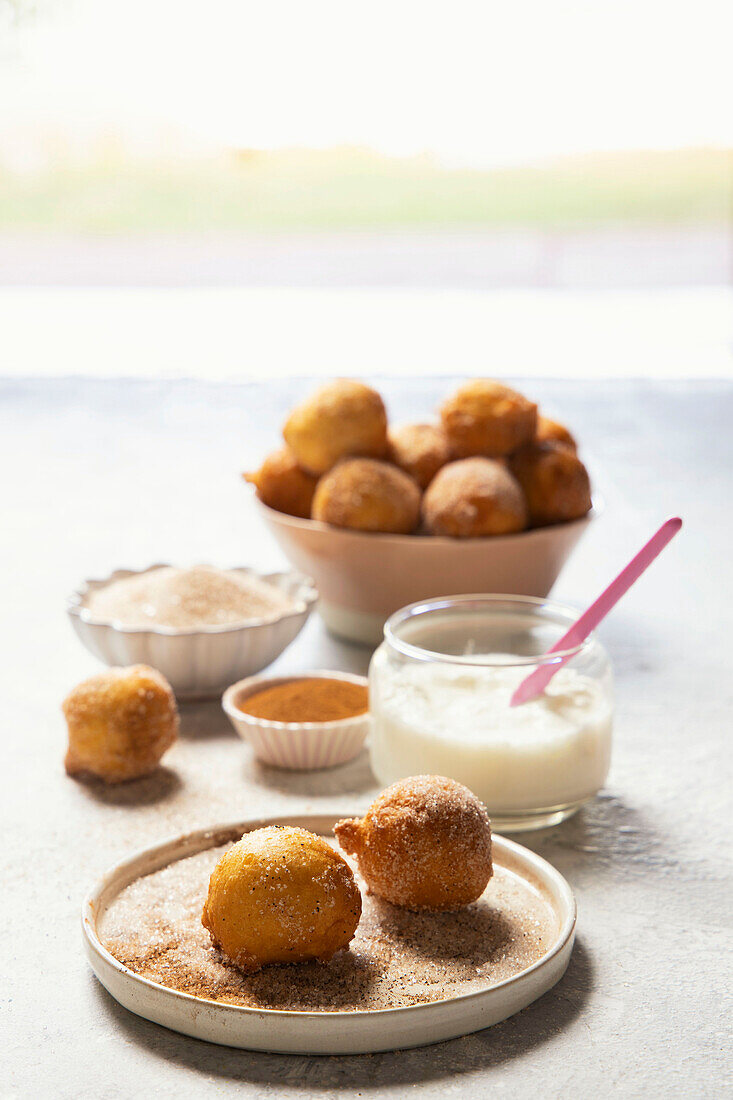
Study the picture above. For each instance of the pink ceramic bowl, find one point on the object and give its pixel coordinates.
(364, 578)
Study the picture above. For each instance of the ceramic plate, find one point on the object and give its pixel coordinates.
(353, 1032)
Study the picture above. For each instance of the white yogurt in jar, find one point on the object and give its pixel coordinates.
(455, 720)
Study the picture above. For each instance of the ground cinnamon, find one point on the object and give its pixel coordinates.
(397, 958)
(316, 699)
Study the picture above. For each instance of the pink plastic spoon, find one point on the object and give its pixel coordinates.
(539, 678)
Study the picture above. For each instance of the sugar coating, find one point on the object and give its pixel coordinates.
(474, 497)
(397, 958)
(281, 894)
(120, 723)
(186, 598)
(342, 418)
(550, 431)
(420, 450)
(283, 485)
(368, 495)
(554, 481)
(485, 417)
(424, 843)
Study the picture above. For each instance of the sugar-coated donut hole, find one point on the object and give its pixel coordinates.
(283, 485)
(551, 431)
(473, 497)
(485, 417)
(483, 420)
(367, 495)
(554, 481)
(120, 723)
(420, 450)
(424, 843)
(281, 895)
(341, 419)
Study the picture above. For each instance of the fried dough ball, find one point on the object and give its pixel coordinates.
(282, 485)
(425, 843)
(341, 419)
(554, 481)
(366, 495)
(120, 723)
(484, 417)
(474, 497)
(420, 450)
(281, 895)
(549, 431)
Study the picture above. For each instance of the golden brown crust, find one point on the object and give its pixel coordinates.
(474, 497)
(120, 723)
(424, 843)
(554, 481)
(281, 895)
(550, 431)
(283, 485)
(484, 417)
(420, 450)
(341, 419)
(366, 495)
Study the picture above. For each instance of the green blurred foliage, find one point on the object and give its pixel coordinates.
(111, 192)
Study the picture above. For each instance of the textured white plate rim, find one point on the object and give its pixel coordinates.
(319, 823)
(306, 595)
(263, 679)
(430, 540)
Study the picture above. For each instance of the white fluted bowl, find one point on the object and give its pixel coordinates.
(197, 663)
(297, 746)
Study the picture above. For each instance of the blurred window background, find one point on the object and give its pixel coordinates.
(230, 189)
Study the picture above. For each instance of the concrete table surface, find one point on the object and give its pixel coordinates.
(100, 474)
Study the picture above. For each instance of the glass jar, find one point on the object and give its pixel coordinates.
(439, 689)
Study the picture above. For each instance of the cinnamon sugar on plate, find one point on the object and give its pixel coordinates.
(397, 958)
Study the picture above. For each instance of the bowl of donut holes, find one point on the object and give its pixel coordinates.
(489, 496)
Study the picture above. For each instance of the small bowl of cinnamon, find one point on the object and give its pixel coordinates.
(312, 720)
